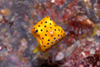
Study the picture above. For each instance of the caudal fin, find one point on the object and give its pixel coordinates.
(37, 49)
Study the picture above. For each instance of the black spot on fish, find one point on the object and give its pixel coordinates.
(58, 34)
(48, 39)
(39, 35)
(44, 46)
(46, 30)
(41, 22)
(45, 34)
(58, 29)
(51, 35)
(41, 30)
(51, 45)
(45, 26)
(55, 29)
(55, 25)
(54, 37)
(42, 38)
(50, 27)
(51, 42)
(45, 21)
(56, 41)
(47, 43)
(50, 23)
(38, 25)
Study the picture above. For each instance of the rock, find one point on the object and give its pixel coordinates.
(59, 56)
(92, 51)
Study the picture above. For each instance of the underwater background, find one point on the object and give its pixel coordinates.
(80, 19)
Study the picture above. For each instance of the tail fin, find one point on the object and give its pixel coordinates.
(37, 49)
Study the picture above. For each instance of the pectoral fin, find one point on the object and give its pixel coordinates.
(39, 41)
(37, 49)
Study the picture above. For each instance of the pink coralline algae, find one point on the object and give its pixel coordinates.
(78, 18)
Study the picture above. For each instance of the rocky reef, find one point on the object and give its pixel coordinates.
(80, 19)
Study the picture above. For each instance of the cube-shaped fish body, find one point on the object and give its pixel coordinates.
(47, 34)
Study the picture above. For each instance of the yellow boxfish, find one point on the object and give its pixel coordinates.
(47, 34)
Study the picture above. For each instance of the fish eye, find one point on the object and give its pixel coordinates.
(36, 31)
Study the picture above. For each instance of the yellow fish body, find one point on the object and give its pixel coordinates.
(47, 34)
